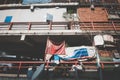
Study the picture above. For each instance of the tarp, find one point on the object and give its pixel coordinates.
(35, 1)
(82, 52)
(98, 40)
(52, 48)
(108, 38)
(76, 54)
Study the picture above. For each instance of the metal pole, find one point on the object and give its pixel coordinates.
(19, 67)
(99, 67)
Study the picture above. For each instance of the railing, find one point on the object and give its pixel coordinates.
(18, 65)
(103, 26)
(22, 66)
(37, 26)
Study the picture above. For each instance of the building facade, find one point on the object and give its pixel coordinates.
(25, 26)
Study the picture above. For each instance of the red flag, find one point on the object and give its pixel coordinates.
(54, 48)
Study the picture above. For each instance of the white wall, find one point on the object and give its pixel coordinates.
(38, 15)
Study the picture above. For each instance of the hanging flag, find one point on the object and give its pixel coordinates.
(57, 48)
(54, 48)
